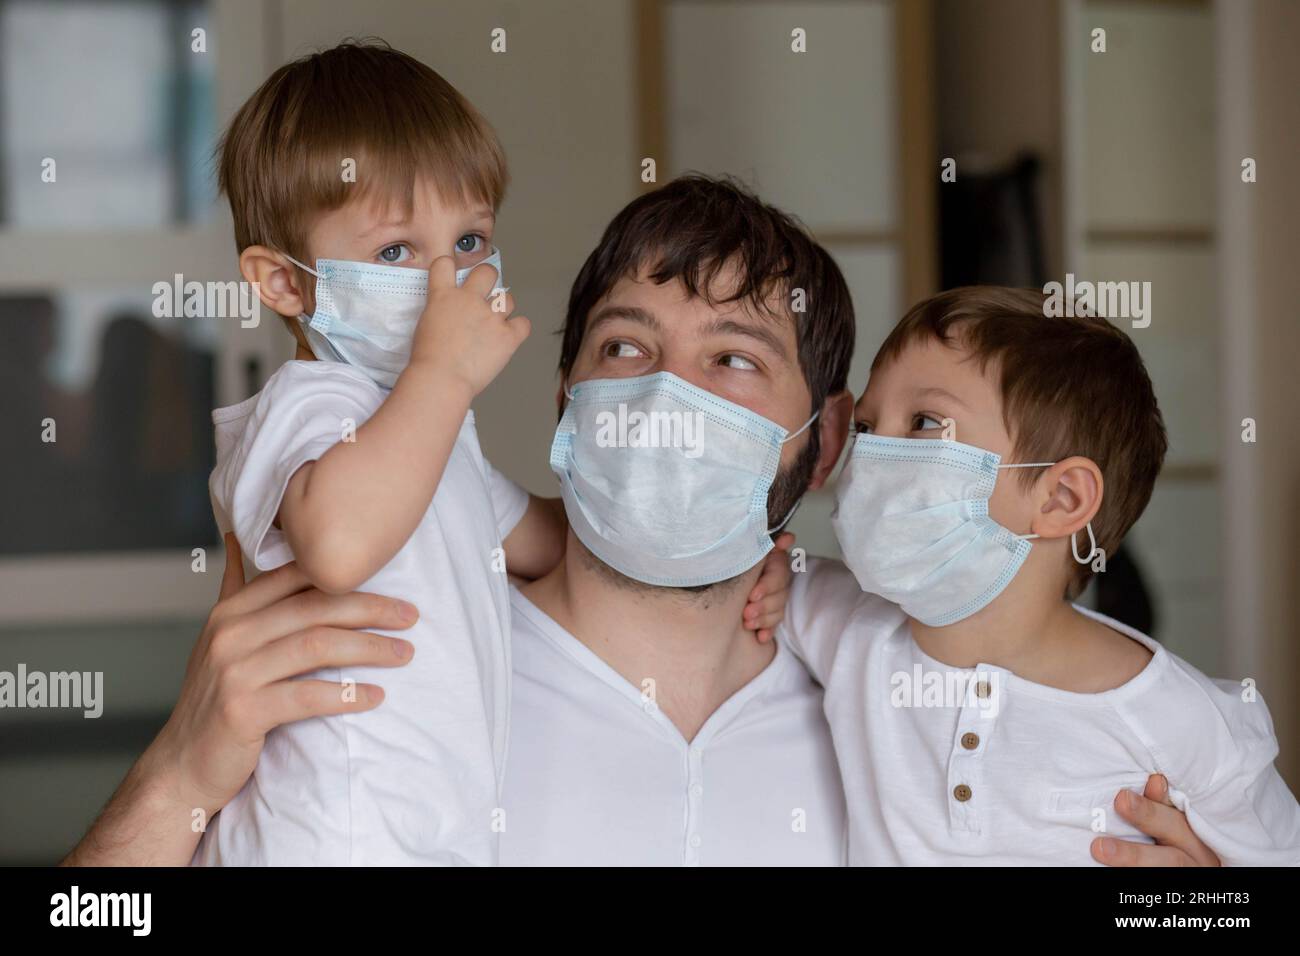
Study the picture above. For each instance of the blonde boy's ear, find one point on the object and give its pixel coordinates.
(833, 425)
(1074, 489)
(276, 279)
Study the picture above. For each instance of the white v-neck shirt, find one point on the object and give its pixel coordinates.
(947, 766)
(597, 775)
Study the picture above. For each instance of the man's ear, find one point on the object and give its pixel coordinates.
(833, 431)
(276, 279)
(1073, 489)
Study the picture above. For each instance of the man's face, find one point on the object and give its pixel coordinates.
(730, 349)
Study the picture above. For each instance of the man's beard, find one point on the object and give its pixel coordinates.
(788, 487)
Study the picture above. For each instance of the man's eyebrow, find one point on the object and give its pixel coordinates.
(632, 313)
(763, 332)
(939, 393)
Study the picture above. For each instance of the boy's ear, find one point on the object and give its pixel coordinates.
(1074, 489)
(833, 430)
(276, 279)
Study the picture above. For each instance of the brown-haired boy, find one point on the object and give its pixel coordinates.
(979, 717)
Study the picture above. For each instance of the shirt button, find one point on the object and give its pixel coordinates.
(982, 689)
(697, 790)
(970, 741)
(961, 792)
(695, 840)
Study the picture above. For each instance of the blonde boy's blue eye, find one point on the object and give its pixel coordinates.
(472, 242)
(393, 254)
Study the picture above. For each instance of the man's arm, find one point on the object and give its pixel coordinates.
(238, 686)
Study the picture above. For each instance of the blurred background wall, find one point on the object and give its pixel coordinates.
(1119, 165)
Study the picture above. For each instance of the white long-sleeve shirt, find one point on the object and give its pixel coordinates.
(416, 780)
(950, 766)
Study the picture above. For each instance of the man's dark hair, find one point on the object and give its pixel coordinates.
(693, 229)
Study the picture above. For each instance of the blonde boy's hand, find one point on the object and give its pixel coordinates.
(466, 334)
(767, 601)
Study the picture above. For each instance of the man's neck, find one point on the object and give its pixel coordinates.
(691, 645)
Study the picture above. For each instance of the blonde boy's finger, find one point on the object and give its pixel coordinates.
(232, 579)
(521, 327)
(784, 541)
(764, 636)
(1157, 789)
(442, 273)
(1166, 824)
(481, 280)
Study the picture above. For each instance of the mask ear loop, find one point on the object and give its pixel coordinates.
(302, 316)
(1092, 549)
(1029, 464)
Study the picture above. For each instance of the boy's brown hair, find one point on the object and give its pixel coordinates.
(281, 159)
(1070, 386)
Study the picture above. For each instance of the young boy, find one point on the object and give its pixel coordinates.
(365, 467)
(979, 717)
(360, 460)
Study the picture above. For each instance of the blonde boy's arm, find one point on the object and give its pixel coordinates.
(348, 513)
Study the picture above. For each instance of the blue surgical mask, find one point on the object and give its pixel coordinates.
(665, 482)
(912, 519)
(366, 313)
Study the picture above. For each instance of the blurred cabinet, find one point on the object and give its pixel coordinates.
(1139, 145)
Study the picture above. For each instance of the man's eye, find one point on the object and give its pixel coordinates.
(862, 428)
(621, 350)
(471, 242)
(737, 362)
(397, 252)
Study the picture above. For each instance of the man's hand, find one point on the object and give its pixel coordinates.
(239, 684)
(465, 334)
(1153, 814)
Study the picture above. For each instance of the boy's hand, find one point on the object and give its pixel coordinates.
(767, 601)
(466, 334)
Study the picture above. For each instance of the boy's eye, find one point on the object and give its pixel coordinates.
(618, 349)
(397, 252)
(731, 360)
(923, 422)
(471, 242)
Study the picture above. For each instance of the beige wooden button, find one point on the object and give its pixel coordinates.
(961, 792)
(982, 689)
(970, 741)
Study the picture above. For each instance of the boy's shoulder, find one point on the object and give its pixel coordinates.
(826, 597)
(1199, 729)
(297, 382)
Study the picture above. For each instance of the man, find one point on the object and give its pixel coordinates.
(647, 726)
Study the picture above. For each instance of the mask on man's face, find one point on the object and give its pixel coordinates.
(366, 313)
(667, 483)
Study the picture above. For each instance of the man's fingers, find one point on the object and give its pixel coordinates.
(290, 700)
(1157, 789)
(266, 589)
(1166, 824)
(313, 608)
(320, 647)
(232, 579)
(1115, 852)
